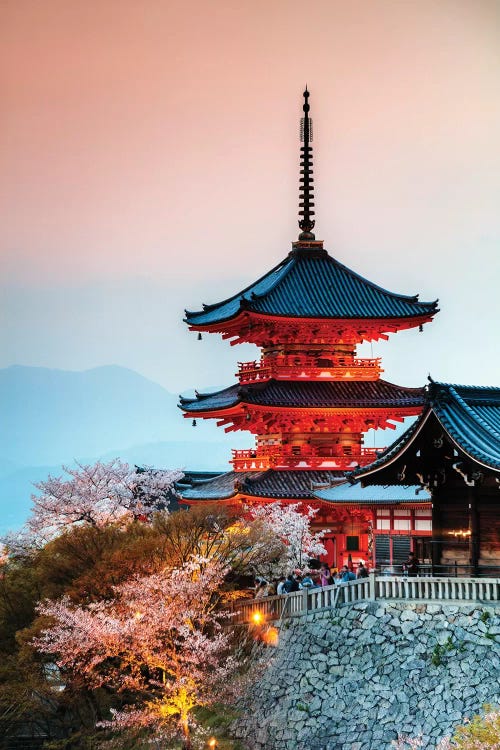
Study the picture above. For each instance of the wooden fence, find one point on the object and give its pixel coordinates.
(456, 590)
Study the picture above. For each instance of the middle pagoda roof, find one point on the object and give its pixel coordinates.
(309, 283)
(352, 394)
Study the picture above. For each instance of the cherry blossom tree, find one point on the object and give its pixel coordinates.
(98, 495)
(291, 524)
(160, 638)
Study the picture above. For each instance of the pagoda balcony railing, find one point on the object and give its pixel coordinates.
(282, 457)
(291, 367)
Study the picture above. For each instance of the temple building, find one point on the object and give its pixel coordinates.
(452, 453)
(309, 400)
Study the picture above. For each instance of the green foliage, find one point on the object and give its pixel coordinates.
(485, 616)
(481, 733)
(440, 650)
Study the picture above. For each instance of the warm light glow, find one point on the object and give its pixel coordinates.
(271, 636)
(212, 742)
(257, 617)
(460, 532)
(138, 615)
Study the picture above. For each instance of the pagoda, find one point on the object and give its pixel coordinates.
(309, 399)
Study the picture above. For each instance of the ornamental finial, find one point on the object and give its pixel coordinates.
(306, 204)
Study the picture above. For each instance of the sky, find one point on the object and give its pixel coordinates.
(149, 161)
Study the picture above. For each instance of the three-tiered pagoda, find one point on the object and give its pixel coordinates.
(309, 400)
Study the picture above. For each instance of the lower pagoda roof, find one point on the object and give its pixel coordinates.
(275, 485)
(308, 395)
(470, 417)
(374, 494)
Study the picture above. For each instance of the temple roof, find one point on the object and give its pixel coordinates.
(299, 485)
(309, 283)
(308, 394)
(219, 487)
(374, 494)
(470, 415)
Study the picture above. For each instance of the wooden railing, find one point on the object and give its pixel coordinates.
(456, 590)
(282, 457)
(309, 368)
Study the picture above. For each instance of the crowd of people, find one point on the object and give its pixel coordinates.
(296, 581)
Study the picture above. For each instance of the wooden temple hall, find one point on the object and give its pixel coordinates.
(309, 400)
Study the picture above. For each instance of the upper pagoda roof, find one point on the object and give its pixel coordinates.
(295, 485)
(309, 283)
(354, 394)
(470, 416)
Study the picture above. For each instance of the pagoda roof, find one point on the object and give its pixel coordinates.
(470, 416)
(352, 394)
(374, 494)
(309, 283)
(218, 487)
(278, 485)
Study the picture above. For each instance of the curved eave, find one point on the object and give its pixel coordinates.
(301, 287)
(376, 495)
(465, 425)
(243, 408)
(476, 456)
(335, 397)
(241, 319)
(393, 452)
(397, 450)
(377, 503)
(219, 488)
(241, 300)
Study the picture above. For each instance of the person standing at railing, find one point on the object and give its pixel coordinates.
(325, 574)
(347, 575)
(307, 583)
(280, 588)
(261, 590)
(410, 568)
(362, 571)
(291, 584)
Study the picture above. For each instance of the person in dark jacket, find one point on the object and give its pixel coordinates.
(291, 584)
(362, 571)
(411, 565)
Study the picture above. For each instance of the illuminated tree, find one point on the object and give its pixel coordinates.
(159, 639)
(291, 524)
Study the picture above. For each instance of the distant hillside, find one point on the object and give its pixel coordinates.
(52, 417)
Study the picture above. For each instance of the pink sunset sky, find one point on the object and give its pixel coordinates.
(150, 154)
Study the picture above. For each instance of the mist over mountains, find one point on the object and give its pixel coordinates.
(54, 417)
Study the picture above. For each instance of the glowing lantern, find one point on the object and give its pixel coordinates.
(257, 617)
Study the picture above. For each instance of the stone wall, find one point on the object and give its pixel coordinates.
(355, 677)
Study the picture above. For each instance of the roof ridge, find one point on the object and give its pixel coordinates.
(467, 387)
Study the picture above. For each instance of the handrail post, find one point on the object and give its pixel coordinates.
(305, 600)
(372, 591)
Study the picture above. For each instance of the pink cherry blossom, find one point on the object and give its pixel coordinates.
(97, 495)
(161, 637)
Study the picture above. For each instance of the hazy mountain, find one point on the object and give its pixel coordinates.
(52, 417)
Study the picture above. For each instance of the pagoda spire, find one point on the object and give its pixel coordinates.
(306, 205)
